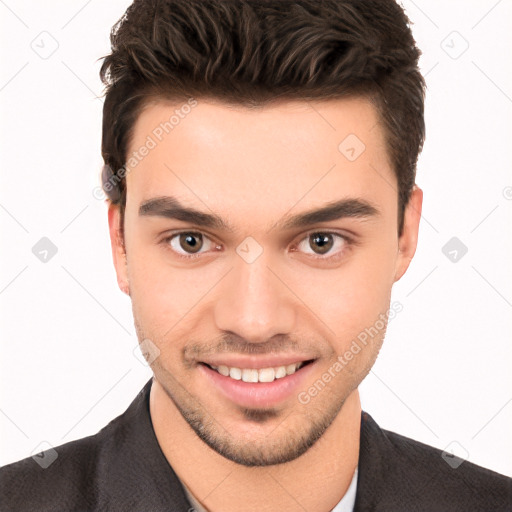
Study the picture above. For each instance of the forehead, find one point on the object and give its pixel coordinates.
(234, 157)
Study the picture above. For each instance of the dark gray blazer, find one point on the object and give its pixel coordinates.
(122, 469)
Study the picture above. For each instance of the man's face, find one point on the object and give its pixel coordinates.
(258, 291)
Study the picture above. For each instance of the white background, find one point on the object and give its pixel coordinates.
(67, 338)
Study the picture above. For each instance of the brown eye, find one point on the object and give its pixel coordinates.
(324, 245)
(191, 242)
(322, 241)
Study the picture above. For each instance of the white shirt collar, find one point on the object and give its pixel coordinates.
(349, 499)
(346, 503)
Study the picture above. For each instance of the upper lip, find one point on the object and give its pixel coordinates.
(271, 361)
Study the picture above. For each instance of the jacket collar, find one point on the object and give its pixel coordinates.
(139, 476)
(155, 486)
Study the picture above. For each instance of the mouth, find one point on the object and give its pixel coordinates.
(268, 374)
(263, 385)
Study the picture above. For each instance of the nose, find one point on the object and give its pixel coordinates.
(254, 302)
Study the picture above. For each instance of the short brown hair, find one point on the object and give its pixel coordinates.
(253, 52)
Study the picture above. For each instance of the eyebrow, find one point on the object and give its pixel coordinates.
(170, 208)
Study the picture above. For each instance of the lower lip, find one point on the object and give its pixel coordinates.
(258, 394)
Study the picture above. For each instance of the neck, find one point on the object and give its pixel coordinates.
(317, 480)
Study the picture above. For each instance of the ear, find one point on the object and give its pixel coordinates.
(409, 238)
(118, 247)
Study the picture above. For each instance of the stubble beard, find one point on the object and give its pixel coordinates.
(295, 432)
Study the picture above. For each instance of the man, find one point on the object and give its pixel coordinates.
(260, 167)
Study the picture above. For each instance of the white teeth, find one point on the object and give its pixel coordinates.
(255, 375)
(280, 372)
(266, 375)
(290, 369)
(223, 370)
(250, 375)
(235, 373)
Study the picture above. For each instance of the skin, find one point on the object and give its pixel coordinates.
(253, 168)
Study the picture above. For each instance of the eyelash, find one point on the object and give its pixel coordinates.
(348, 241)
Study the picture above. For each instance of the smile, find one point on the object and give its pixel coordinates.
(264, 385)
(258, 374)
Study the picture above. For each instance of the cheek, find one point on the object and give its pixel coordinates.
(167, 299)
(156, 290)
(351, 298)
